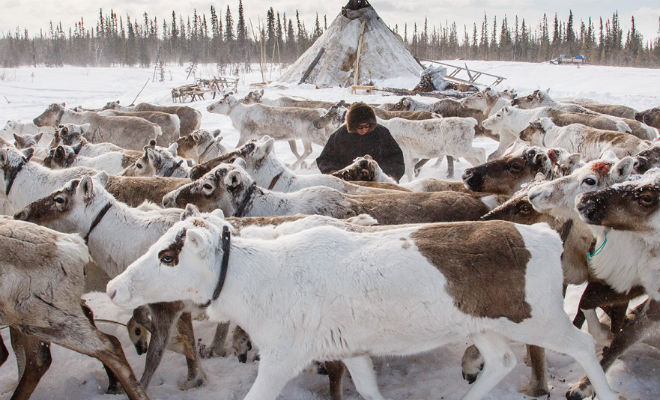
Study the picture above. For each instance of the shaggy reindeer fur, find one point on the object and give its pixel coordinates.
(230, 188)
(169, 123)
(189, 118)
(126, 132)
(42, 282)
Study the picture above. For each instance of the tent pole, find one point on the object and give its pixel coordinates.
(356, 73)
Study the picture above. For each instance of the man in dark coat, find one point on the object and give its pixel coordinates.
(362, 135)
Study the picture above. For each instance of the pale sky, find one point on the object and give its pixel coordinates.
(36, 14)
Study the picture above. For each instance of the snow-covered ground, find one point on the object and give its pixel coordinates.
(26, 92)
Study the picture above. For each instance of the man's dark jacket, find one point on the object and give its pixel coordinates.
(343, 147)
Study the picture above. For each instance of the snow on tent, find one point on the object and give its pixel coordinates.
(357, 39)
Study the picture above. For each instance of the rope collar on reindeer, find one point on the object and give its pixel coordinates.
(97, 220)
(248, 196)
(201, 156)
(600, 248)
(226, 242)
(12, 175)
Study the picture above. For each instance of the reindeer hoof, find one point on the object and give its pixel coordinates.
(198, 381)
(470, 378)
(580, 390)
(534, 390)
(115, 389)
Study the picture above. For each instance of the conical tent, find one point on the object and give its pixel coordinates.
(331, 60)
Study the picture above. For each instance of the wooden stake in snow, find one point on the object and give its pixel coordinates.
(356, 73)
(136, 96)
(312, 65)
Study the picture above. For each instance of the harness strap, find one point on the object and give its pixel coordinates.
(599, 249)
(97, 220)
(226, 242)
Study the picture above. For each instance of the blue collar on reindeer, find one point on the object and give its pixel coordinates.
(226, 242)
(599, 249)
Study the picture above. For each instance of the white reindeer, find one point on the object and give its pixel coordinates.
(373, 313)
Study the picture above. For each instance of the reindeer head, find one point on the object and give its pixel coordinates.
(71, 208)
(497, 121)
(158, 161)
(61, 156)
(518, 208)
(223, 106)
(628, 206)
(253, 97)
(12, 161)
(536, 131)
(255, 152)
(647, 159)
(112, 105)
(25, 141)
(181, 265)
(335, 116)
(558, 196)
(506, 174)
(72, 134)
(51, 116)
(224, 187)
(650, 117)
(361, 169)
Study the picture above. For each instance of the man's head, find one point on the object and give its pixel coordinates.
(360, 119)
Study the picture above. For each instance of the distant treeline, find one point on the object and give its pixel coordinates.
(219, 38)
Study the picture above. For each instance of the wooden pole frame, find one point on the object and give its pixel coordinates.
(356, 72)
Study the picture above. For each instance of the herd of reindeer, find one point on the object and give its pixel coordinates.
(330, 270)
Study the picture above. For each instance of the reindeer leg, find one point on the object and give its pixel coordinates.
(113, 383)
(633, 330)
(4, 354)
(450, 166)
(420, 164)
(294, 148)
(217, 346)
(307, 150)
(196, 376)
(71, 329)
(538, 382)
(33, 357)
(163, 315)
(335, 370)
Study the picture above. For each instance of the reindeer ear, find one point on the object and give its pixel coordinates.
(152, 155)
(38, 137)
(233, 179)
(3, 156)
(77, 147)
(152, 144)
(28, 153)
(265, 148)
(622, 168)
(59, 152)
(218, 213)
(574, 158)
(20, 141)
(84, 128)
(87, 187)
(102, 178)
(173, 149)
(240, 162)
(217, 133)
(195, 238)
(191, 210)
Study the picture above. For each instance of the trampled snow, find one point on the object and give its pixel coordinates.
(26, 92)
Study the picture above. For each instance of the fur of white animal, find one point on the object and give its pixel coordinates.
(589, 142)
(126, 132)
(42, 282)
(616, 113)
(270, 173)
(63, 156)
(201, 145)
(159, 161)
(25, 181)
(189, 118)
(230, 188)
(169, 123)
(488, 101)
(508, 122)
(375, 314)
(540, 98)
(115, 240)
(433, 138)
(23, 128)
(72, 135)
(281, 123)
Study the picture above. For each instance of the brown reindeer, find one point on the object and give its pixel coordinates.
(42, 283)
